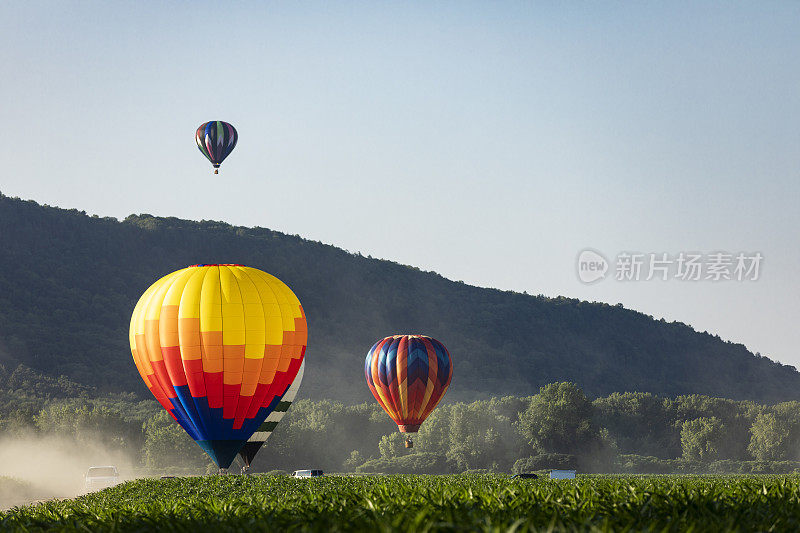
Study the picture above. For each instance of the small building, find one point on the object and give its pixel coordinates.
(562, 474)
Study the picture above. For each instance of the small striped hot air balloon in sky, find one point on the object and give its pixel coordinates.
(408, 375)
(219, 346)
(216, 140)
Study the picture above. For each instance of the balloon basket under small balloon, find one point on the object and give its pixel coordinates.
(216, 171)
(409, 443)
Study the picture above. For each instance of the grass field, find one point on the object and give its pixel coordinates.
(426, 503)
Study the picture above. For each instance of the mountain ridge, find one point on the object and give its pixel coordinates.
(69, 283)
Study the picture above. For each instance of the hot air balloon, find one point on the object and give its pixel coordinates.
(216, 140)
(408, 375)
(218, 346)
(257, 440)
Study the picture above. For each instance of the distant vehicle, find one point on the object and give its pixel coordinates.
(100, 477)
(562, 474)
(307, 473)
(525, 475)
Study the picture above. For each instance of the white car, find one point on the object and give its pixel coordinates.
(562, 474)
(307, 473)
(100, 477)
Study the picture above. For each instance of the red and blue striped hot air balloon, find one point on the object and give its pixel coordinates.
(408, 375)
(216, 140)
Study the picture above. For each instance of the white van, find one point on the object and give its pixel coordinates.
(100, 477)
(307, 473)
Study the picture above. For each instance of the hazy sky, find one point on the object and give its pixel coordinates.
(488, 141)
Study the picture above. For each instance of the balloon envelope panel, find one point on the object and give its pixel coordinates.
(218, 346)
(257, 439)
(408, 375)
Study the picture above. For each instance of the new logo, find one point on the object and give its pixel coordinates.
(591, 266)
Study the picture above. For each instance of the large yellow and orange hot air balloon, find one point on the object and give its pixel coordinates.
(218, 346)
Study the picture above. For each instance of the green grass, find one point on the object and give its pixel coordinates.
(426, 503)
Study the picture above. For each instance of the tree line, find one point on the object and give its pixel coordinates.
(559, 427)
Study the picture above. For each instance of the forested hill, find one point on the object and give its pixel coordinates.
(69, 281)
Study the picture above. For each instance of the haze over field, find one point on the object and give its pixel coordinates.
(54, 467)
(491, 143)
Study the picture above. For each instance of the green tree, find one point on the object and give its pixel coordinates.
(545, 461)
(392, 445)
(354, 461)
(640, 423)
(415, 463)
(478, 435)
(736, 416)
(775, 434)
(88, 423)
(703, 438)
(559, 420)
(768, 437)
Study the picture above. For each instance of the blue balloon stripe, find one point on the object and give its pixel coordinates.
(215, 427)
(368, 365)
(443, 360)
(391, 362)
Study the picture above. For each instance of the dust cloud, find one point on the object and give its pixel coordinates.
(36, 468)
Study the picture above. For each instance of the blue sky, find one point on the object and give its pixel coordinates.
(490, 142)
